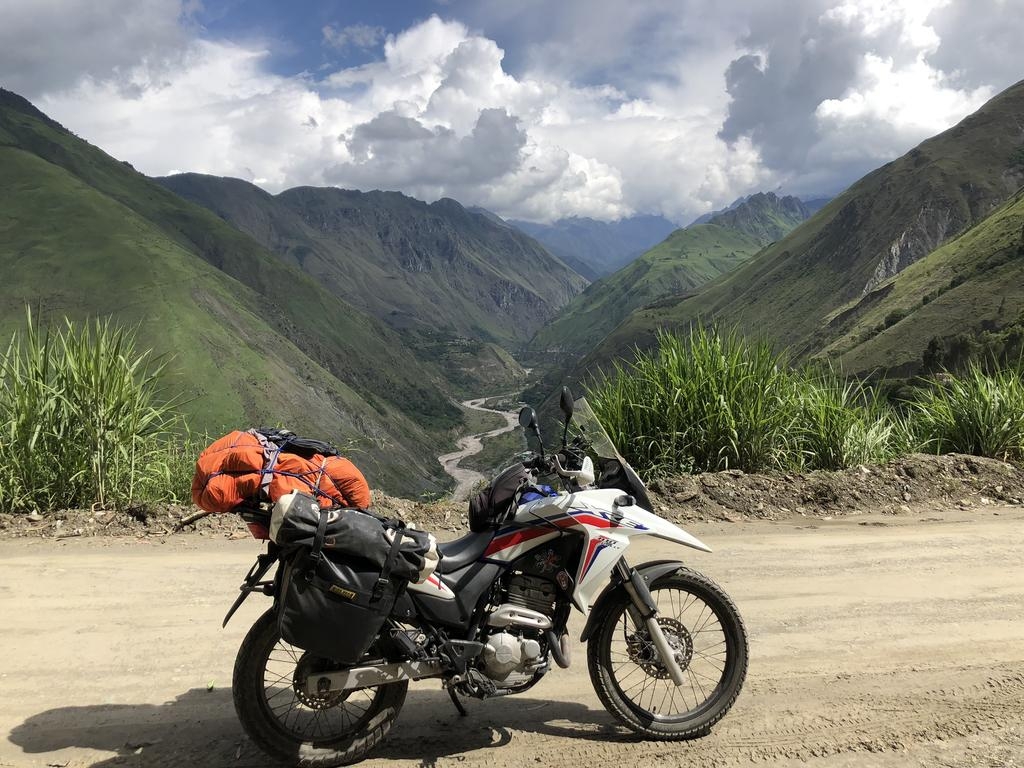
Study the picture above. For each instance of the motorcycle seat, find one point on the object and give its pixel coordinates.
(461, 552)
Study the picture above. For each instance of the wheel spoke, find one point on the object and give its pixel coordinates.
(695, 631)
(695, 680)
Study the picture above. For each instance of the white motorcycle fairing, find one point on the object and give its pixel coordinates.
(435, 586)
(606, 529)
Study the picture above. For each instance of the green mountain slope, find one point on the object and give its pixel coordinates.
(686, 260)
(885, 222)
(971, 284)
(433, 271)
(253, 340)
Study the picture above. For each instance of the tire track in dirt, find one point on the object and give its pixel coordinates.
(879, 647)
(763, 729)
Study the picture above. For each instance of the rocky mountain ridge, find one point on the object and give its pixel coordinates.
(432, 271)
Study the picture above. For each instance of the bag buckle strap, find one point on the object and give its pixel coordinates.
(384, 580)
(316, 551)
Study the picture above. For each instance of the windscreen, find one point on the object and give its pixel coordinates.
(586, 423)
(615, 470)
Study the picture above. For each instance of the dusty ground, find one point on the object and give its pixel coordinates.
(876, 640)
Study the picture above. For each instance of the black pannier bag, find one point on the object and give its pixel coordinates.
(493, 505)
(332, 608)
(350, 533)
(344, 569)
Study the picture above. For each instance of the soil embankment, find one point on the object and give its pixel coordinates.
(914, 482)
(893, 488)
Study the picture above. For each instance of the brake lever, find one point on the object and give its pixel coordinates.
(573, 474)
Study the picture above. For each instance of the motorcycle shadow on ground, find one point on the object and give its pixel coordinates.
(199, 728)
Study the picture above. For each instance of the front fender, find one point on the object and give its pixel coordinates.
(649, 572)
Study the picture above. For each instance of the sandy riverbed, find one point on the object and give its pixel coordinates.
(471, 445)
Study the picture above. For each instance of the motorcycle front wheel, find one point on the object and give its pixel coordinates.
(709, 642)
(294, 726)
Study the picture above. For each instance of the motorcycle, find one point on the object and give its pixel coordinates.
(666, 646)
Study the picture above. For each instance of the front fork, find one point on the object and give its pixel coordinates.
(645, 612)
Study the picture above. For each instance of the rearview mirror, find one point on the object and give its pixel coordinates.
(566, 403)
(527, 418)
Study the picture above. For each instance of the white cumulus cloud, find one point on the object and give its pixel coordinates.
(605, 109)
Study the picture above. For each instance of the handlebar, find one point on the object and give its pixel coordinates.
(549, 464)
(562, 472)
(539, 463)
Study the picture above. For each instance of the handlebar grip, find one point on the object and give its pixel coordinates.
(535, 463)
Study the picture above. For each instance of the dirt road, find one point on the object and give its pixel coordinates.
(471, 445)
(874, 642)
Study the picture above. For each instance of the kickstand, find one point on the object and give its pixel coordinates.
(455, 700)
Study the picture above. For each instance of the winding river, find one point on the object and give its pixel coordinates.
(471, 445)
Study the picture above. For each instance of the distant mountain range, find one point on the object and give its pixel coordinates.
(813, 205)
(597, 248)
(361, 316)
(432, 271)
(684, 261)
(858, 281)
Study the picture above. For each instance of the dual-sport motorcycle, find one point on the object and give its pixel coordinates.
(666, 647)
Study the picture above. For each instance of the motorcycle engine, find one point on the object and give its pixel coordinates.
(510, 659)
(515, 648)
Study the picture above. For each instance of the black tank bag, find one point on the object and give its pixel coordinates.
(334, 603)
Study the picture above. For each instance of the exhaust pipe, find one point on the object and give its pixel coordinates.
(370, 676)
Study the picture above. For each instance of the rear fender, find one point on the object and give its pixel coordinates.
(649, 572)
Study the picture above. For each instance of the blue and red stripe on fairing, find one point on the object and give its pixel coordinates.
(512, 536)
(596, 547)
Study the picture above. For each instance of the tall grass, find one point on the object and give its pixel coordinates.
(838, 423)
(978, 413)
(705, 403)
(82, 421)
(708, 402)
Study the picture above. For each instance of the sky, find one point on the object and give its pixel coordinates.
(534, 110)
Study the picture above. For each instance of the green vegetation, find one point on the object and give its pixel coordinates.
(682, 263)
(822, 288)
(477, 422)
(764, 217)
(83, 422)
(978, 413)
(991, 349)
(958, 304)
(498, 452)
(711, 402)
(472, 368)
(687, 259)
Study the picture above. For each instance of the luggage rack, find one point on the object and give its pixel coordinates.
(256, 515)
(254, 581)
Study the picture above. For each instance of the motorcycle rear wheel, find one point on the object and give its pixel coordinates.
(294, 727)
(704, 627)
